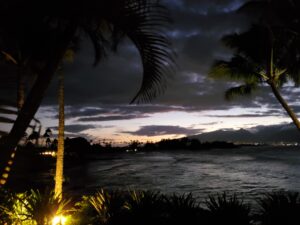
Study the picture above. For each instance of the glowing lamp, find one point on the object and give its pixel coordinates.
(59, 220)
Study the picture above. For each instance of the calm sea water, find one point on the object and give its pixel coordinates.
(248, 171)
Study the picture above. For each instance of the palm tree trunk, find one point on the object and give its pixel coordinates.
(8, 143)
(60, 147)
(21, 89)
(284, 104)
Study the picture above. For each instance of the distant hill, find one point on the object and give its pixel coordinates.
(265, 134)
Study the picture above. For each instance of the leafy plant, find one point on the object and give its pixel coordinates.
(101, 208)
(224, 209)
(145, 207)
(184, 209)
(37, 208)
(279, 208)
(6, 202)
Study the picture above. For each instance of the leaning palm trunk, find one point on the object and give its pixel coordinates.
(8, 143)
(20, 89)
(284, 104)
(60, 146)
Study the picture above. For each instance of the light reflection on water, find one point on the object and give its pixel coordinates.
(248, 171)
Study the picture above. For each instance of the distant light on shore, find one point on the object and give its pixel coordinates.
(49, 153)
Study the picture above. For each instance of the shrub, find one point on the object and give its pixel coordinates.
(34, 207)
(184, 209)
(225, 209)
(144, 207)
(101, 208)
(279, 208)
(6, 202)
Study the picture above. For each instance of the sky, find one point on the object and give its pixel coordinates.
(97, 98)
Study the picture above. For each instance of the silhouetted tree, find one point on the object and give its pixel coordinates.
(46, 38)
(46, 136)
(54, 144)
(134, 144)
(34, 136)
(268, 53)
(80, 146)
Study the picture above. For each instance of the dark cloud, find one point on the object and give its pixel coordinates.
(247, 115)
(111, 112)
(285, 132)
(75, 128)
(72, 112)
(210, 123)
(155, 130)
(109, 118)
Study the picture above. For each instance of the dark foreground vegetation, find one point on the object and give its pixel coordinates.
(146, 207)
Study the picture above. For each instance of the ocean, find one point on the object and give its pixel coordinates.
(247, 171)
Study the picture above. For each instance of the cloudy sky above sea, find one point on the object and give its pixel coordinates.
(97, 98)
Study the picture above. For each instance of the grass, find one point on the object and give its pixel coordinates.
(148, 207)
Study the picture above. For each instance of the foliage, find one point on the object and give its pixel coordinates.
(184, 209)
(138, 207)
(268, 51)
(99, 208)
(34, 207)
(266, 54)
(148, 207)
(145, 207)
(6, 202)
(33, 40)
(279, 208)
(224, 209)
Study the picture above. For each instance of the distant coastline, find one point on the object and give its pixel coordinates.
(81, 148)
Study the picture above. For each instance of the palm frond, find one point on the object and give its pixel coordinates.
(6, 120)
(238, 68)
(245, 89)
(100, 44)
(251, 44)
(8, 111)
(145, 22)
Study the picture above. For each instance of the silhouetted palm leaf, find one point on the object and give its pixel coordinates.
(8, 111)
(238, 68)
(245, 89)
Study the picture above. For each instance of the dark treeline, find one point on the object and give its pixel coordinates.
(80, 147)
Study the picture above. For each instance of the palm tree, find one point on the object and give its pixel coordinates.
(61, 138)
(265, 54)
(45, 39)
